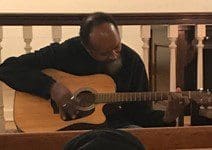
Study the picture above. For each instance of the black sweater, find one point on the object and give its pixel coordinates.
(23, 73)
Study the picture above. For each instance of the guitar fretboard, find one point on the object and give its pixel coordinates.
(199, 97)
(131, 96)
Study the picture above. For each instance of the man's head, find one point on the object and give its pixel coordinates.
(99, 34)
(105, 139)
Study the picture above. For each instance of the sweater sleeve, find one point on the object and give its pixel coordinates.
(139, 80)
(24, 74)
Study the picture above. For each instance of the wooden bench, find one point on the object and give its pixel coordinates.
(152, 138)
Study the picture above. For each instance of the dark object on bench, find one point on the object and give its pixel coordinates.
(196, 118)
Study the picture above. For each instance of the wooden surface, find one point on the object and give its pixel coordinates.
(34, 114)
(120, 18)
(152, 138)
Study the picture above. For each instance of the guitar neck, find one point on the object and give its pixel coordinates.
(138, 96)
(130, 96)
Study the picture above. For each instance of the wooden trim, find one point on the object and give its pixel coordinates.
(121, 18)
(152, 138)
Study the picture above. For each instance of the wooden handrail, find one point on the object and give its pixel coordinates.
(152, 138)
(121, 18)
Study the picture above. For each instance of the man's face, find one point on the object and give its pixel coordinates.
(104, 43)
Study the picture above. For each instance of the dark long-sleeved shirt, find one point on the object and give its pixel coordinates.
(23, 73)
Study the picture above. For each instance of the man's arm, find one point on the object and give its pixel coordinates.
(139, 80)
(23, 73)
(140, 84)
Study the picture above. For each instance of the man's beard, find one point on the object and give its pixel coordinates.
(114, 66)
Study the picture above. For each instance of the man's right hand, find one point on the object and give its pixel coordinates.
(63, 97)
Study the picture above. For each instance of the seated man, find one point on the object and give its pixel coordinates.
(98, 49)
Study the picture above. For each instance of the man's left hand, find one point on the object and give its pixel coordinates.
(175, 106)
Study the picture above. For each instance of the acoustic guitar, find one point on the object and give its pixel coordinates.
(35, 114)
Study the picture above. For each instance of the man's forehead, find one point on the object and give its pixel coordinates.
(104, 37)
(103, 31)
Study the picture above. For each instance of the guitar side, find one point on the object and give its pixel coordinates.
(35, 114)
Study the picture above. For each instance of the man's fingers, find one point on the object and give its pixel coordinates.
(65, 112)
(62, 114)
(174, 108)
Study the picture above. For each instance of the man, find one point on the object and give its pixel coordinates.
(97, 50)
(105, 139)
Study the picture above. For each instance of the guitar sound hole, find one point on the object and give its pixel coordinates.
(85, 99)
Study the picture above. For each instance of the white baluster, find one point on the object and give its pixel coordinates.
(200, 33)
(172, 35)
(145, 36)
(56, 33)
(2, 127)
(27, 35)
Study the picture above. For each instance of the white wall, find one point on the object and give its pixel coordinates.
(107, 5)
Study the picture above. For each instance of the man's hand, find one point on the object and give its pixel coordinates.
(175, 107)
(64, 100)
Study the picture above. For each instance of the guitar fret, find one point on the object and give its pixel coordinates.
(150, 97)
(122, 96)
(135, 96)
(126, 97)
(139, 96)
(113, 97)
(105, 97)
(130, 96)
(118, 96)
(145, 96)
(97, 98)
(100, 97)
(109, 97)
(155, 96)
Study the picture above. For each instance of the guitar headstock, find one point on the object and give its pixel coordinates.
(202, 97)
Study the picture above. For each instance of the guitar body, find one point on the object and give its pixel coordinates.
(35, 114)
